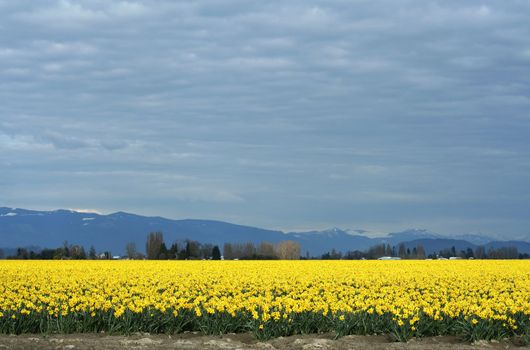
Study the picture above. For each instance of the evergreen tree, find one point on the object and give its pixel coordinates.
(92, 253)
(173, 251)
(163, 255)
(216, 253)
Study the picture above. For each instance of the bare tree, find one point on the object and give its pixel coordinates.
(237, 250)
(206, 250)
(420, 252)
(288, 250)
(480, 252)
(228, 252)
(77, 252)
(376, 251)
(249, 251)
(153, 245)
(130, 250)
(266, 249)
(402, 251)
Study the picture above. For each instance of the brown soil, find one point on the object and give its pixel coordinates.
(235, 341)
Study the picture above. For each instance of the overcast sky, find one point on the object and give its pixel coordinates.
(377, 115)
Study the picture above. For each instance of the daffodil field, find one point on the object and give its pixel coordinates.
(473, 299)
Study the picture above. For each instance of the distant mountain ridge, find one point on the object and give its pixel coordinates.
(23, 227)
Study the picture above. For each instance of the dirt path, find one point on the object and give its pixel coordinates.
(239, 341)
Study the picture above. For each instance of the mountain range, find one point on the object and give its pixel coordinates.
(49, 229)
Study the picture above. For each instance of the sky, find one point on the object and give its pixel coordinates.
(293, 115)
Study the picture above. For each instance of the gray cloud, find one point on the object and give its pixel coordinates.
(284, 115)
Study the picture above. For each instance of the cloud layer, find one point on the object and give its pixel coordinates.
(360, 114)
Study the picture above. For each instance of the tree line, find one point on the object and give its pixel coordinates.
(156, 249)
(67, 251)
(187, 249)
(418, 252)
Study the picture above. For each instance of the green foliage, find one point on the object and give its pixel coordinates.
(342, 324)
